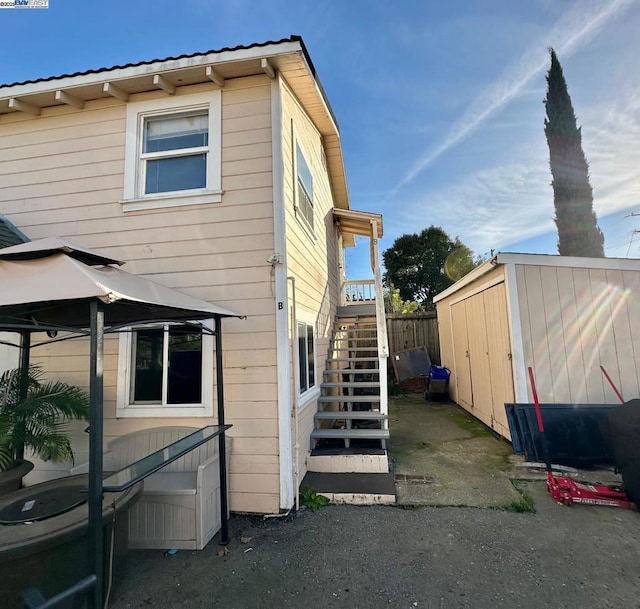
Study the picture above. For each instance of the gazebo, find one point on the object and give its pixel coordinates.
(54, 286)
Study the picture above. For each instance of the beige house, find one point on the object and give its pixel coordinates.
(563, 316)
(219, 174)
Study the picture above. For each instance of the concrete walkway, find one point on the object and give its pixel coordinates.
(443, 456)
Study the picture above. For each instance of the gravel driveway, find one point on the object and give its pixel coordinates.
(373, 557)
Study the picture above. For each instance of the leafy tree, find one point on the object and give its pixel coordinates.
(422, 265)
(578, 231)
(393, 302)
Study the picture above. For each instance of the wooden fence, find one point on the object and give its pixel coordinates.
(414, 330)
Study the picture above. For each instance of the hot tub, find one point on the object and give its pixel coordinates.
(50, 551)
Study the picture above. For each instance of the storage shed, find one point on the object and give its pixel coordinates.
(564, 316)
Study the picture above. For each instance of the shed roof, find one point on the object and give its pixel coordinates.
(503, 258)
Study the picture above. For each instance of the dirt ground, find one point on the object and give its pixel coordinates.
(412, 556)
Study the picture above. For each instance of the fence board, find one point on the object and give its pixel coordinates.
(414, 330)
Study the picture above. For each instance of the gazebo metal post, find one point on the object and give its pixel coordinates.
(222, 450)
(25, 347)
(95, 537)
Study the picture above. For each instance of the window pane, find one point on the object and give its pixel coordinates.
(175, 132)
(302, 356)
(180, 173)
(148, 366)
(305, 205)
(304, 173)
(185, 366)
(310, 356)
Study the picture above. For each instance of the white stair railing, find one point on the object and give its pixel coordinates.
(359, 291)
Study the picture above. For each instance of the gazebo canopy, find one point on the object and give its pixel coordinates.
(47, 284)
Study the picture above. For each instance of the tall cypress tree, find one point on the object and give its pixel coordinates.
(578, 231)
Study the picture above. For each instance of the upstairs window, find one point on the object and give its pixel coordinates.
(174, 152)
(304, 190)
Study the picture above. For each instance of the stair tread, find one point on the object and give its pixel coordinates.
(351, 359)
(382, 434)
(352, 371)
(349, 398)
(368, 384)
(351, 414)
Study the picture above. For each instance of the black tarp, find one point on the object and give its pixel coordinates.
(577, 435)
(625, 432)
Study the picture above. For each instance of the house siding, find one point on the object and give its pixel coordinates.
(312, 256)
(63, 173)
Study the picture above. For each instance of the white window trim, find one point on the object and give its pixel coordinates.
(134, 200)
(297, 143)
(304, 397)
(126, 410)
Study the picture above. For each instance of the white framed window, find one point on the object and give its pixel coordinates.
(306, 357)
(165, 370)
(173, 152)
(304, 188)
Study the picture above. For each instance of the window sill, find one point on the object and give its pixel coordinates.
(172, 200)
(308, 397)
(157, 412)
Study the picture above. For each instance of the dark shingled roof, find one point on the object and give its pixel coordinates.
(9, 234)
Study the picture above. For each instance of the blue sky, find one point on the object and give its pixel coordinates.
(439, 103)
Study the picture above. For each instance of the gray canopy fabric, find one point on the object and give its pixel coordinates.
(49, 287)
(52, 284)
(49, 245)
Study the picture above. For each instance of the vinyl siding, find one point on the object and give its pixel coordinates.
(312, 255)
(62, 174)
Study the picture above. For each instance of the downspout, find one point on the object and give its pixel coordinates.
(279, 269)
(296, 383)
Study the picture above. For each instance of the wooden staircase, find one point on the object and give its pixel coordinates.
(349, 413)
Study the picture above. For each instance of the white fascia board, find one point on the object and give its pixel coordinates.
(577, 262)
(483, 269)
(112, 75)
(323, 100)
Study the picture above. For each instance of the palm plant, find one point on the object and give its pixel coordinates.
(34, 415)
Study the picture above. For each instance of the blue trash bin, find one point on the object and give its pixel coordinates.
(438, 386)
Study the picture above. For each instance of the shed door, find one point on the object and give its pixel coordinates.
(497, 324)
(479, 358)
(464, 394)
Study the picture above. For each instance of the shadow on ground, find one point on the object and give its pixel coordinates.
(441, 455)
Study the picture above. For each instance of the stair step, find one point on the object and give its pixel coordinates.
(351, 359)
(352, 371)
(351, 399)
(354, 384)
(362, 415)
(355, 488)
(369, 434)
(356, 340)
(355, 348)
